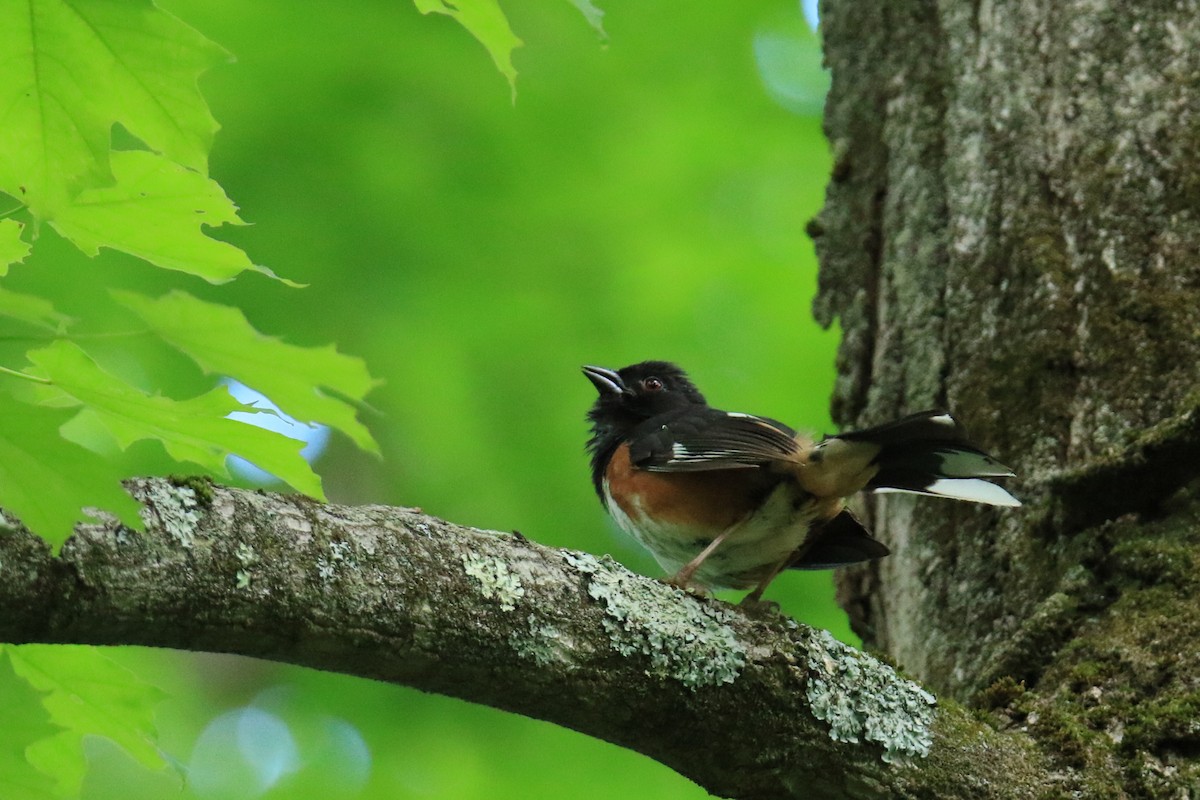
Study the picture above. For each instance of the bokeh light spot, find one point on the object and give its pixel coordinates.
(241, 754)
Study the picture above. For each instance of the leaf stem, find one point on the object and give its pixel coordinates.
(11, 211)
(107, 334)
(70, 337)
(25, 375)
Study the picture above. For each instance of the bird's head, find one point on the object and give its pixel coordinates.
(631, 395)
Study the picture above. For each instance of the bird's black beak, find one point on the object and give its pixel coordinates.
(606, 381)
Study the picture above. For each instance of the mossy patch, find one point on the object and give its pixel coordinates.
(1121, 701)
(1170, 723)
(1064, 734)
(543, 644)
(495, 580)
(201, 485)
(683, 637)
(862, 699)
(1001, 694)
(176, 509)
(1156, 560)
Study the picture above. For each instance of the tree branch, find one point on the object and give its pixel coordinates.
(745, 706)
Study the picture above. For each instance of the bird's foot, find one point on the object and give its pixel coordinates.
(755, 606)
(684, 582)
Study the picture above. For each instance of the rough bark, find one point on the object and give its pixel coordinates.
(1012, 232)
(747, 705)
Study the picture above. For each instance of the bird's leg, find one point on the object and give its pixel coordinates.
(684, 576)
(791, 558)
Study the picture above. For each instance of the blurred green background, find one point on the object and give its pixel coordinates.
(645, 197)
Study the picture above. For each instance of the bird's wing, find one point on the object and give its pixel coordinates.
(698, 440)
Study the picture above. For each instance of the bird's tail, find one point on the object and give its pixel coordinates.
(838, 542)
(929, 453)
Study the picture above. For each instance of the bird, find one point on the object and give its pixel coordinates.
(727, 500)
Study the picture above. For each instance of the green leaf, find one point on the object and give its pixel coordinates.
(12, 248)
(62, 756)
(487, 23)
(194, 430)
(25, 722)
(73, 68)
(46, 481)
(221, 340)
(35, 311)
(90, 694)
(155, 211)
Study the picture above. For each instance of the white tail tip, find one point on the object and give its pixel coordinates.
(972, 489)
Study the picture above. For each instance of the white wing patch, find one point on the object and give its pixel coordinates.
(680, 454)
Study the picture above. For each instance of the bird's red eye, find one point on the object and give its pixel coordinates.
(652, 384)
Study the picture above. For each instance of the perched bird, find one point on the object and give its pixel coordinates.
(729, 500)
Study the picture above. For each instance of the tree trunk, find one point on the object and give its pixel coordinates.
(1012, 232)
